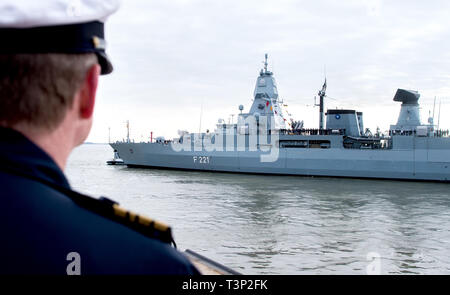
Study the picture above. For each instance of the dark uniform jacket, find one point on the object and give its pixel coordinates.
(40, 224)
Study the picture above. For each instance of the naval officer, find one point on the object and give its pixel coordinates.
(51, 55)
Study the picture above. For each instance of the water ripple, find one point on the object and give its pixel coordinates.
(283, 224)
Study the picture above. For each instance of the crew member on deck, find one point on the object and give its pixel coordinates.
(51, 55)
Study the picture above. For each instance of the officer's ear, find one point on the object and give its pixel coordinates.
(88, 90)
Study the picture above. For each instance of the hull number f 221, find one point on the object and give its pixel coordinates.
(201, 159)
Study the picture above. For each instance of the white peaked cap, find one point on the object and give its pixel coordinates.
(56, 26)
(38, 13)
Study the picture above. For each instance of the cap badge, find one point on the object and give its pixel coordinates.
(99, 43)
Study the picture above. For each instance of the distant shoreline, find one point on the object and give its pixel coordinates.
(88, 142)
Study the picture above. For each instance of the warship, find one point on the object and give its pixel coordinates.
(265, 141)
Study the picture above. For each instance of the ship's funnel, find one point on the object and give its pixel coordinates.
(344, 119)
(409, 117)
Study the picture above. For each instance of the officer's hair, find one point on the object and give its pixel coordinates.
(38, 89)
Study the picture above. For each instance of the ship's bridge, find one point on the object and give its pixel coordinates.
(266, 86)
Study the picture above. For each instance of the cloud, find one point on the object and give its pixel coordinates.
(171, 55)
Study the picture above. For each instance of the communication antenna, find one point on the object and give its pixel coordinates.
(434, 106)
(109, 134)
(439, 114)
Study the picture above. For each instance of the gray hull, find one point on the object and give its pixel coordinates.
(344, 148)
(428, 163)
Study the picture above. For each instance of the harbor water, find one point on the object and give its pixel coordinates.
(259, 224)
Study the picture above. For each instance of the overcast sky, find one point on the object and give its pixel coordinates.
(172, 57)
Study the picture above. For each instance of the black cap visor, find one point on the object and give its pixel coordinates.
(74, 38)
(104, 62)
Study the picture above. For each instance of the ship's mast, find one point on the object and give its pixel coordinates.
(128, 131)
(439, 115)
(434, 106)
(265, 63)
(321, 104)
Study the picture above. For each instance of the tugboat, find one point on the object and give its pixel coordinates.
(264, 141)
(116, 160)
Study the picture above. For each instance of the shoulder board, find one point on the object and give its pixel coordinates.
(109, 209)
